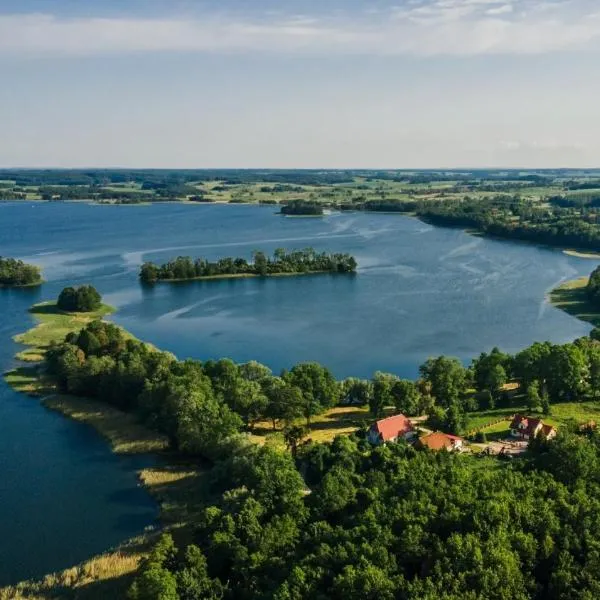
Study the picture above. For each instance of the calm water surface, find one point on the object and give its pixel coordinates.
(420, 291)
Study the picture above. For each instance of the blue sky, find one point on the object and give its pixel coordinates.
(237, 83)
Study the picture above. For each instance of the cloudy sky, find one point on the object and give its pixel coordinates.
(300, 83)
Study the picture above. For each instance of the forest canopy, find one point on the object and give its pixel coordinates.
(14, 272)
(282, 262)
(79, 299)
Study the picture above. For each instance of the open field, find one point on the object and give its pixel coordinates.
(323, 428)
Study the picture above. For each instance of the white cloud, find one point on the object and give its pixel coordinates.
(422, 28)
(500, 10)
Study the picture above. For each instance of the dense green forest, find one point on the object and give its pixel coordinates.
(344, 520)
(390, 523)
(84, 298)
(282, 262)
(14, 272)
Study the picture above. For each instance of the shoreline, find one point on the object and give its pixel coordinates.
(20, 286)
(169, 481)
(570, 251)
(245, 276)
(570, 297)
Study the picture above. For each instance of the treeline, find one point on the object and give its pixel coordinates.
(302, 208)
(282, 261)
(593, 286)
(148, 193)
(390, 523)
(515, 218)
(16, 272)
(199, 406)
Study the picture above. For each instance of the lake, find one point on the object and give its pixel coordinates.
(419, 291)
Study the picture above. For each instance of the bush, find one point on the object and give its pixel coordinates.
(81, 299)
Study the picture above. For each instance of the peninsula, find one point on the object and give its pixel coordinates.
(296, 262)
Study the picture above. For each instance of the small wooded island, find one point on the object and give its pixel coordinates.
(296, 262)
(16, 273)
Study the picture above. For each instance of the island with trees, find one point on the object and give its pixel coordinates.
(295, 262)
(16, 273)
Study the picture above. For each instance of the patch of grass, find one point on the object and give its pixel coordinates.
(106, 576)
(122, 430)
(54, 324)
(323, 428)
(29, 380)
(571, 298)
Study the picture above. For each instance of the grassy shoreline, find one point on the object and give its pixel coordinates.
(570, 296)
(247, 276)
(172, 482)
(20, 286)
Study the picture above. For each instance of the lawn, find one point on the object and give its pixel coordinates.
(562, 413)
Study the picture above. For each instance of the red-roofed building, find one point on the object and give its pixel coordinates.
(440, 441)
(526, 428)
(390, 430)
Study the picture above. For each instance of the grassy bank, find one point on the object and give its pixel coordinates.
(53, 325)
(175, 484)
(571, 297)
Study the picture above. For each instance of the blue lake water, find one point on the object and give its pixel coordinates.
(420, 291)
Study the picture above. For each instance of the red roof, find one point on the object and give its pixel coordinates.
(392, 427)
(438, 440)
(547, 429)
(530, 425)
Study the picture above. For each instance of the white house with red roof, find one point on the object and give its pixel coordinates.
(526, 428)
(391, 430)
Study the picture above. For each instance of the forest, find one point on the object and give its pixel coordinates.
(343, 519)
(84, 298)
(282, 262)
(14, 272)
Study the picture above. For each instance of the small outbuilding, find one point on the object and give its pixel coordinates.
(440, 441)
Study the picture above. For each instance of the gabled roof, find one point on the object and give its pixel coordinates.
(547, 429)
(392, 427)
(530, 424)
(439, 440)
